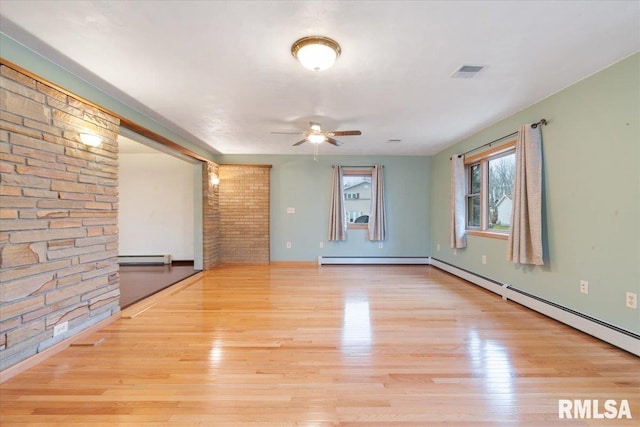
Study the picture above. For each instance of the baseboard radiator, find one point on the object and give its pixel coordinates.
(144, 259)
(349, 260)
(612, 334)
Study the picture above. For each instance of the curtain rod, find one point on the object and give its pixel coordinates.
(542, 122)
(333, 166)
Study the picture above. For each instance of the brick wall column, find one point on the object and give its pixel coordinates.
(244, 213)
(58, 216)
(210, 216)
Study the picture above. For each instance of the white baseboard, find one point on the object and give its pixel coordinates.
(144, 259)
(611, 334)
(348, 260)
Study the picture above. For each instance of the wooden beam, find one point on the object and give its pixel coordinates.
(124, 122)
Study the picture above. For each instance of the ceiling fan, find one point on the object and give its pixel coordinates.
(316, 135)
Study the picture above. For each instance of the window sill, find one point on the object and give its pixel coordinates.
(352, 226)
(490, 234)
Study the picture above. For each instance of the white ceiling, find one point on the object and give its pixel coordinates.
(221, 73)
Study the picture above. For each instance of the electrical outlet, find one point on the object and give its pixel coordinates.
(484, 259)
(632, 300)
(438, 247)
(288, 245)
(321, 245)
(381, 245)
(61, 328)
(584, 287)
(455, 252)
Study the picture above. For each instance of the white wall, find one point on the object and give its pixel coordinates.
(156, 214)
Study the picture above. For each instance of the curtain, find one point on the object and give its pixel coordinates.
(337, 222)
(457, 237)
(377, 216)
(525, 237)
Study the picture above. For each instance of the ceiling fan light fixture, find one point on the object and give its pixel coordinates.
(316, 53)
(316, 138)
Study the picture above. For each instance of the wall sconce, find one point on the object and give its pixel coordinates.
(90, 139)
(215, 180)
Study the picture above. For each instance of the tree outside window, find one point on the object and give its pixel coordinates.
(490, 178)
(501, 178)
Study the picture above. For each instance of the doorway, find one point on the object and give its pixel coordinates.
(159, 218)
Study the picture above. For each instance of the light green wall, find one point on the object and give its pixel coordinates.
(592, 198)
(301, 183)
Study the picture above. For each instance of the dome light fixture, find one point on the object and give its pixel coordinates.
(316, 53)
(316, 138)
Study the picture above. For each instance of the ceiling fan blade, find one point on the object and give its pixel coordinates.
(346, 132)
(333, 141)
(300, 142)
(287, 133)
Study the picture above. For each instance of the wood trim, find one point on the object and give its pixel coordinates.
(37, 358)
(138, 308)
(489, 234)
(490, 152)
(357, 172)
(354, 226)
(245, 165)
(482, 159)
(124, 122)
(134, 127)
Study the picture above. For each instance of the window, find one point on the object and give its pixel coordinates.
(356, 184)
(490, 177)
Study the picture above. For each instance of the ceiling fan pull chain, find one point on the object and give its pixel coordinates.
(315, 152)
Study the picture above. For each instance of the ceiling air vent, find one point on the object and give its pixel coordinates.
(467, 71)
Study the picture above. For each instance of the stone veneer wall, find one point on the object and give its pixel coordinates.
(244, 213)
(58, 216)
(210, 216)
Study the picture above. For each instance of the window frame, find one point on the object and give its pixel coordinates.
(365, 171)
(483, 159)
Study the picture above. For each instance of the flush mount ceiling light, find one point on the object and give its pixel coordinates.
(316, 53)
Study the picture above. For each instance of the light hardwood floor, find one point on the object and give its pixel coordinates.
(301, 345)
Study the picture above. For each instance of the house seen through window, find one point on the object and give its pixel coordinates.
(490, 178)
(356, 185)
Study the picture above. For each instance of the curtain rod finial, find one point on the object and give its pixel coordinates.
(542, 122)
